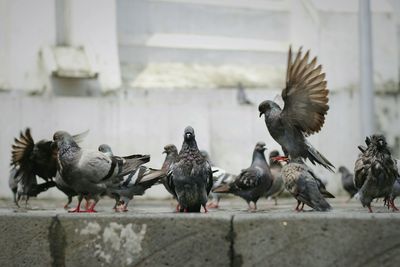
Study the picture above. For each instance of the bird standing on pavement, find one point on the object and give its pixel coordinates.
(134, 184)
(253, 182)
(306, 104)
(90, 172)
(171, 154)
(375, 171)
(348, 181)
(29, 160)
(190, 177)
(302, 183)
(277, 183)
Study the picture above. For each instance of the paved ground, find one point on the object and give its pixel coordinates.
(230, 205)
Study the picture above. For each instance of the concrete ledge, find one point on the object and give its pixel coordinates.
(317, 240)
(151, 234)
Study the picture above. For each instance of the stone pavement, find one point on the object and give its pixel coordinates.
(152, 234)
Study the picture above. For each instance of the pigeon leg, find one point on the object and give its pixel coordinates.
(213, 205)
(302, 207)
(394, 208)
(298, 205)
(91, 209)
(69, 202)
(78, 207)
(178, 208)
(205, 208)
(255, 206)
(369, 208)
(276, 201)
(185, 210)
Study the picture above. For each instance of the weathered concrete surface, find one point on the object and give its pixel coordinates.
(146, 240)
(151, 234)
(317, 239)
(25, 239)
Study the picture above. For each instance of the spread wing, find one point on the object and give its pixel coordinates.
(305, 94)
(22, 149)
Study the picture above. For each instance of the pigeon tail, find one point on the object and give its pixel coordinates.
(321, 205)
(223, 188)
(131, 163)
(315, 156)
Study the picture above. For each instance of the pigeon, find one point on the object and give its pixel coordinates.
(277, 183)
(190, 177)
(347, 181)
(220, 176)
(395, 191)
(241, 96)
(302, 183)
(30, 159)
(253, 182)
(90, 172)
(375, 171)
(171, 153)
(136, 183)
(306, 104)
(13, 184)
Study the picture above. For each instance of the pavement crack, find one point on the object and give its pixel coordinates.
(235, 259)
(57, 242)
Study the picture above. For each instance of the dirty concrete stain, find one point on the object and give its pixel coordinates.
(116, 239)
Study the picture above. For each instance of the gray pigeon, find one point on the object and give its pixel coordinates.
(90, 172)
(278, 185)
(171, 154)
(136, 183)
(253, 182)
(375, 171)
(348, 181)
(190, 177)
(302, 183)
(30, 159)
(306, 104)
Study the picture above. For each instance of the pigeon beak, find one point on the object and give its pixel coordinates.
(188, 135)
(164, 152)
(260, 114)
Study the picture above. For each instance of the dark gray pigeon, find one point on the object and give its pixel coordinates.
(348, 181)
(278, 185)
(136, 183)
(253, 182)
(190, 177)
(90, 172)
(306, 104)
(171, 154)
(375, 171)
(30, 160)
(302, 183)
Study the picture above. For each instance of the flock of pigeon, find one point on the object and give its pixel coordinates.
(189, 175)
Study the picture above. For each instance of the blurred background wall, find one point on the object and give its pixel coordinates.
(136, 72)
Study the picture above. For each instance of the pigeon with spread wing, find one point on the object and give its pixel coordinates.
(306, 104)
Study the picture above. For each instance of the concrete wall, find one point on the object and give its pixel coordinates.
(27, 28)
(144, 121)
